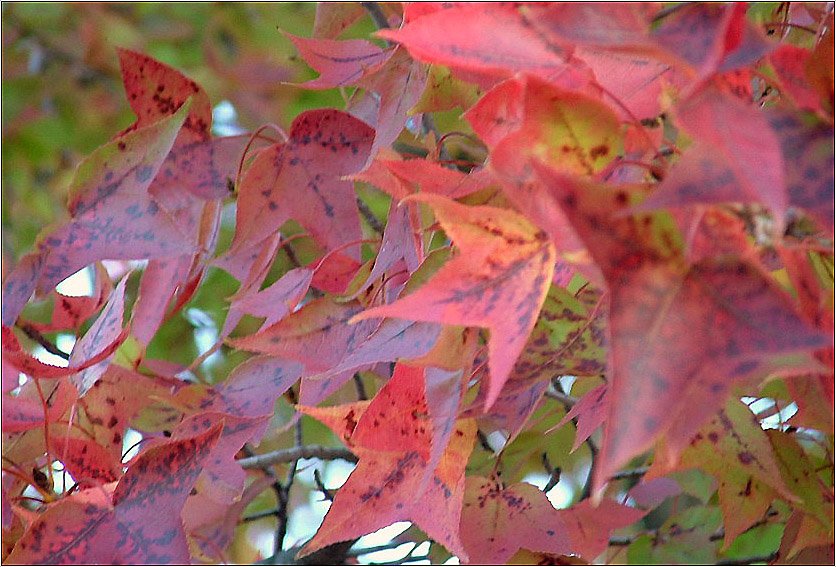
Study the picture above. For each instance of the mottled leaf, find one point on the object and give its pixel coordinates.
(733, 315)
(498, 521)
(155, 90)
(106, 332)
(332, 18)
(318, 335)
(339, 63)
(302, 180)
(495, 39)
(114, 217)
(733, 448)
(589, 526)
(384, 488)
(149, 497)
(591, 411)
(499, 281)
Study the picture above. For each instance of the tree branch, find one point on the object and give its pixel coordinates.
(295, 453)
(377, 15)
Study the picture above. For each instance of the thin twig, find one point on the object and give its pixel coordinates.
(631, 473)
(369, 216)
(36, 336)
(564, 399)
(360, 387)
(377, 15)
(294, 453)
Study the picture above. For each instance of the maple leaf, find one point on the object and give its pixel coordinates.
(499, 281)
(69, 312)
(591, 411)
(302, 180)
(656, 295)
(399, 84)
(589, 526)
(316, 335)
(332, 18)
(139, 523)
(734, 448)
(569, 338)
(497, 521)
(338, 62)
(113, 216)
(394, 480)
(493, 39)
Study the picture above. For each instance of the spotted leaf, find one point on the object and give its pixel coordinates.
(499, 281)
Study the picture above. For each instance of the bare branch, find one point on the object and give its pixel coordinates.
(295, 453)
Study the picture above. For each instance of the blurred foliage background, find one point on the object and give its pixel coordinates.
(62, 93)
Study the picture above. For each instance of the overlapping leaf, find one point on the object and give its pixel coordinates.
(499, 281)
(732, 314)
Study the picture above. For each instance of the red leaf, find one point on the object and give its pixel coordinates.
(613, 26)
(156, 91)
(114, 400)
(499, 281)
(113, 215)
(69, 312)
(156, 290)
(332, 18)
(657, 295)
(25, 411)
(396, 419)
(491, 38)
(339, 63)
(221, 479)
(428, 177)
(743, 141)
(19, 286)
(590, 526)
(807, 148)
(302, 180)
(400, 82)
(105, 335)
(790, 65)
(591, 411)
(276, 301)
(140, 523)
(86, 460)
(205, 169)
(150, 496)
(498, 521)
(385, 488)
(317, 335)
(76, 529)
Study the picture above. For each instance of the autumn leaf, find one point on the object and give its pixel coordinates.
(302, 180)
(318, 335)
(332, 18)
(140, 523)
(591, 411)
(505, 268)
(655, 295)
(734, 448)
(496, 40)
(497, 521)
(338, 62)
(155, 90)
(384, 488)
